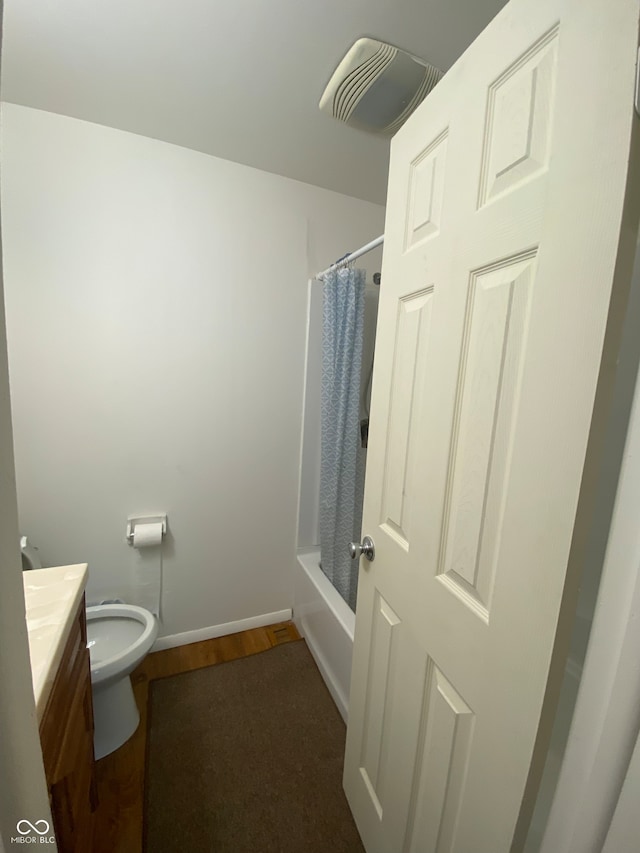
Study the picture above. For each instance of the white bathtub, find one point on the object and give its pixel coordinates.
(327, 623)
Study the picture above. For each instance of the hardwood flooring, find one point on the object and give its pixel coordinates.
(120, 776)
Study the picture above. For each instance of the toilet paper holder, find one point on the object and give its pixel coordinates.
(145, 519)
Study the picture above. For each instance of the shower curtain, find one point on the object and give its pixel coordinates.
(342, 456)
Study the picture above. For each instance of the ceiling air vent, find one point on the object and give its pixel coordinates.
(377, 86)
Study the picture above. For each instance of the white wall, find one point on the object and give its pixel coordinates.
(156, 309)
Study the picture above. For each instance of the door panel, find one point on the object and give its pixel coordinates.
(443, 753)
(519, 120)
(378, 694)
(426, 189)
(487, 395)
(411, 338)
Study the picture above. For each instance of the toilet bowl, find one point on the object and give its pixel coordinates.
(119, 636)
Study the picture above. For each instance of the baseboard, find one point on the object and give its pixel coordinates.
(186, 637)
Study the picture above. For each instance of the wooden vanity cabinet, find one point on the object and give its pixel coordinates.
(66, 735)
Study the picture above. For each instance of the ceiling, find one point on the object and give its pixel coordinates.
(239, 79)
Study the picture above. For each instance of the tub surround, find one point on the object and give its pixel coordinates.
(327, 623)
(51, 597)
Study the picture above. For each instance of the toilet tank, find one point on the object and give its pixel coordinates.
(30, 557)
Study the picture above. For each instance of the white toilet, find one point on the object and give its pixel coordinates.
(119, 636)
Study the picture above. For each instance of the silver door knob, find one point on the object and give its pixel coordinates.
(366, 549)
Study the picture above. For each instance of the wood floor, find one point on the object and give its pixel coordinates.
(120, 776)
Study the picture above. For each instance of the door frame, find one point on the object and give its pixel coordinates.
(25, 794)
(606, 719)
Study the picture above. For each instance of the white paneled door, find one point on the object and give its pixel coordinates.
(508, 248)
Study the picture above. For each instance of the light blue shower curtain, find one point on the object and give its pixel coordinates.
(342, 457)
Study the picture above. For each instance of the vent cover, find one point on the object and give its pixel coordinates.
(377, 86)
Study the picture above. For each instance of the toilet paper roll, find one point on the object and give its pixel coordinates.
(147, 540)
(147, 535)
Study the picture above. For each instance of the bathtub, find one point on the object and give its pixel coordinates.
(327, 624)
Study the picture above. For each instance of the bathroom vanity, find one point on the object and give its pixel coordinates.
(56, 624)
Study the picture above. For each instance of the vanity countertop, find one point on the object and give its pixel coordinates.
(51, 597)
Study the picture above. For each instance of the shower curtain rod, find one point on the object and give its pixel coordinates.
(347, 260)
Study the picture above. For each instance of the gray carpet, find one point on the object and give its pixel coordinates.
(246, 757)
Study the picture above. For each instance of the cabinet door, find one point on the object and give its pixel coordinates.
(69, 759)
